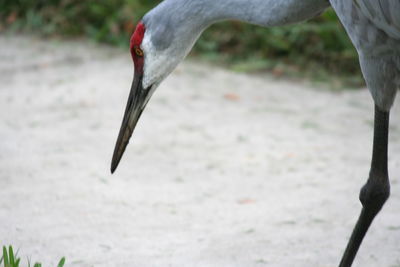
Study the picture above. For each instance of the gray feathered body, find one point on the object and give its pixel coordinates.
(374, 28)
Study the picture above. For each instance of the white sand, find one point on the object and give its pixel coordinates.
(267, 175)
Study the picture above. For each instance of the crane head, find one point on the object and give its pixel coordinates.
(154, 57)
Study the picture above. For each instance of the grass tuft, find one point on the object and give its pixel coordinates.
(11, 259)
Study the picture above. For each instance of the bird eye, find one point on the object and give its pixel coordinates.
(138, 51)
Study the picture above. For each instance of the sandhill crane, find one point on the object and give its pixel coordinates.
(166, 34)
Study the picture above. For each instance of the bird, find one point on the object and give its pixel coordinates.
(166, 34)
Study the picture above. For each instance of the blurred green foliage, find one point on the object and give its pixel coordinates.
(109, 21)
(321, 42)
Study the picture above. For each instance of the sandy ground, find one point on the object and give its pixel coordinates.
(224, 169)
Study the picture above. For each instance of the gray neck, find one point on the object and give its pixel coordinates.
(261, 12)
(265, 13)
(188, 18)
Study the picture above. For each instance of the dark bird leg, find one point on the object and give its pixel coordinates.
(377, 189)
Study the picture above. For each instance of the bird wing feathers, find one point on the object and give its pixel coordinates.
(385, 14)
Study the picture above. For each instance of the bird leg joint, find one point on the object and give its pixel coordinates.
(375, 192)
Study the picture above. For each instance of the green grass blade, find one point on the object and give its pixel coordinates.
(17, 262)
(61, 263)
(5, 256)
(11, 256)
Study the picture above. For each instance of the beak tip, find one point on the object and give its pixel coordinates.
(114, 166)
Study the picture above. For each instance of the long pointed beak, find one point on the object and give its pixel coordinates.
(137, 101)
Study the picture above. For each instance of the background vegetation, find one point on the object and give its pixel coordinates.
(319, 48)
